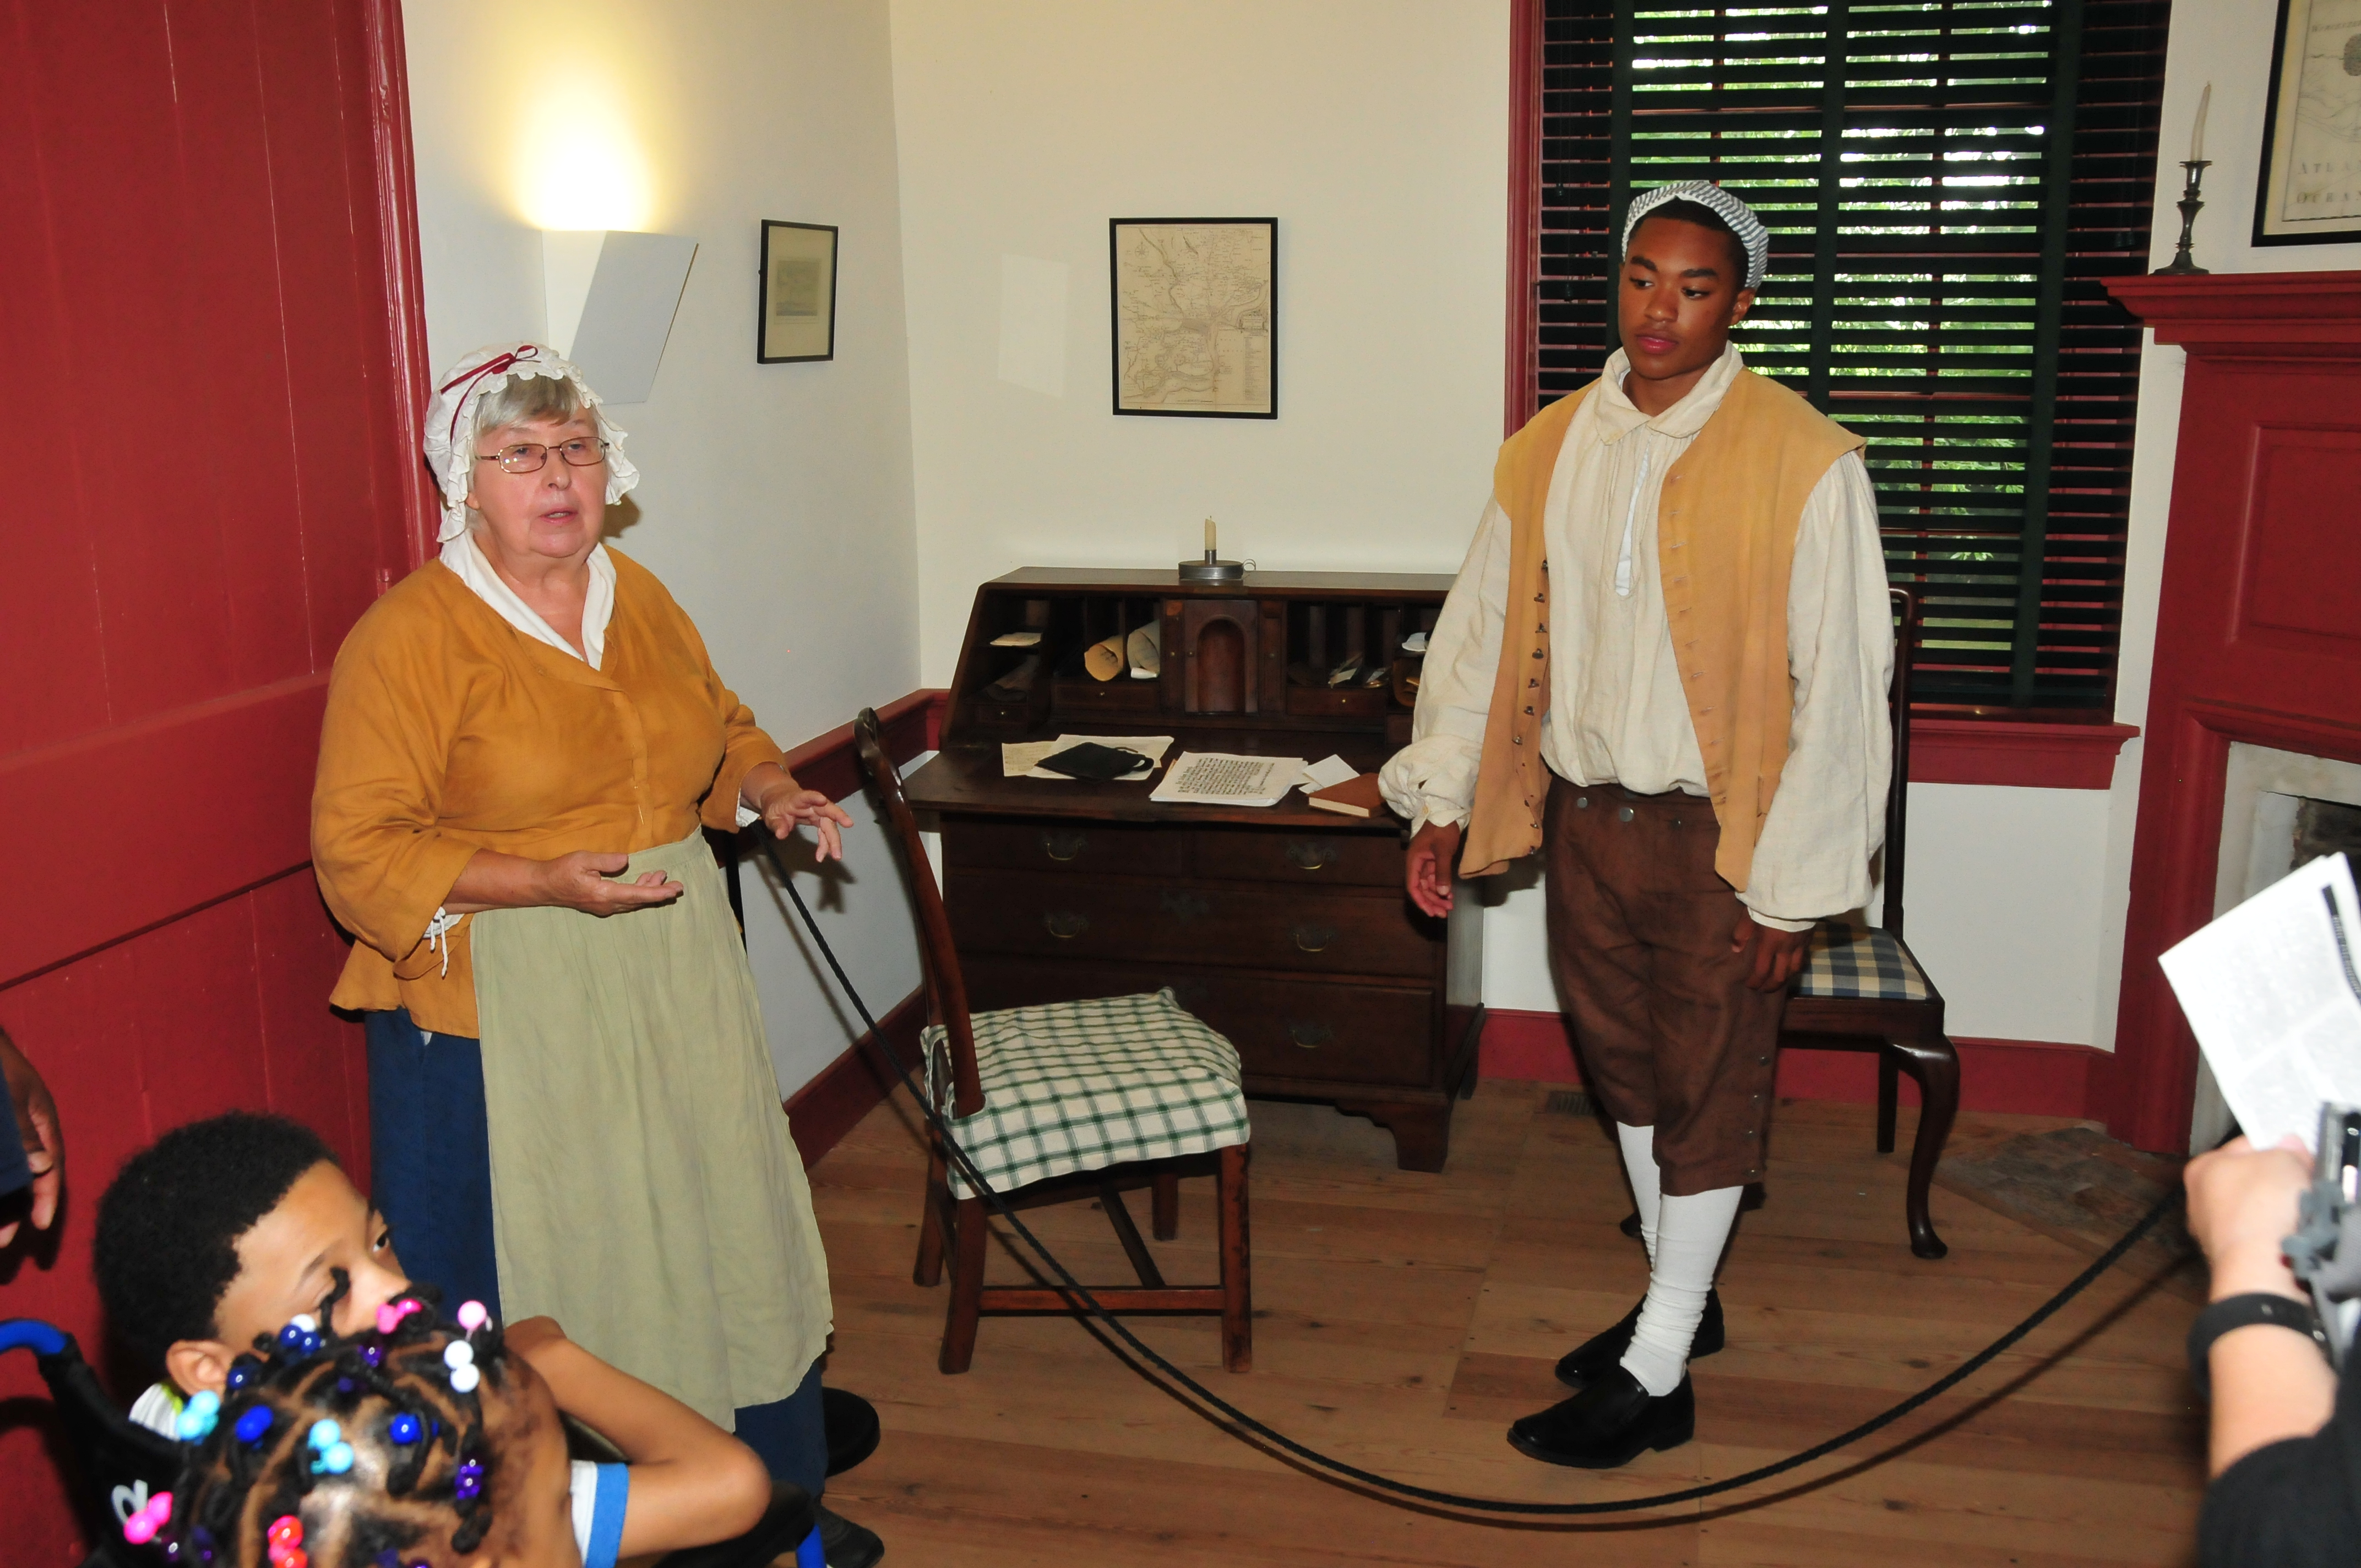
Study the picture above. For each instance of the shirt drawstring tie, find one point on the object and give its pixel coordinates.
(438, 931)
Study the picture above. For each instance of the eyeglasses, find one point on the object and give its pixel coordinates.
(527, 456)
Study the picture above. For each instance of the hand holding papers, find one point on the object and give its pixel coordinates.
(2269, 989)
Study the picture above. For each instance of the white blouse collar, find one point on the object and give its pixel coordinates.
(467, 562)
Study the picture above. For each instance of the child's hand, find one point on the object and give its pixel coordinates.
(532, 1337)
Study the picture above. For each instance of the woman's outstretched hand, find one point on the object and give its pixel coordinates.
(584, 881)
(786, 805)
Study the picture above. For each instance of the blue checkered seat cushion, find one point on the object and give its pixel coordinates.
(1077, 1086)
(1852, 958)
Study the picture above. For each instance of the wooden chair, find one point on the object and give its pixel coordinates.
(1070, 1101)
(1864, 990)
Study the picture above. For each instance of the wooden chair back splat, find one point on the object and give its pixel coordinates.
(957, 1227)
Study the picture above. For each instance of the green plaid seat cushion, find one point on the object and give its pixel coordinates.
(1077, 1086)
(1851, 958)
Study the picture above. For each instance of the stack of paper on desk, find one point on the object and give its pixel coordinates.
(2269, 989)
(1017, 758)
(1219, 778)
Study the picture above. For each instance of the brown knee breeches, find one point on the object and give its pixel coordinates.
(1640, 927)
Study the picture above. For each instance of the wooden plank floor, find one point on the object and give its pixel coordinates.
(1403, 1319)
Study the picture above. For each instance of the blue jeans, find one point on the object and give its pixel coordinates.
(430, 1156)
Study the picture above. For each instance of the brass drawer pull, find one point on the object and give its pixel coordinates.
(1063, 844)
(1065, 924)
(1313, 937)
(1309, 854)
(1309, 1034)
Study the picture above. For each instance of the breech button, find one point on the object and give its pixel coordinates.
(1623, 813)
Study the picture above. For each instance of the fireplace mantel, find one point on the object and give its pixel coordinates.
(2305, 315)
(2259, 618)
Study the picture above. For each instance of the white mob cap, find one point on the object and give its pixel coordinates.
(451, 427)
(1731, 210)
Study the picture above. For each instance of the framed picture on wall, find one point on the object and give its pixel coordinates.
(1196, 316)
(2310, 190)
(797, 309)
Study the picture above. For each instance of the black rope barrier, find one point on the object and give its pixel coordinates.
(1087, 1306)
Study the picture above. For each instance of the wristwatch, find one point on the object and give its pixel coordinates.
(2245, 1312)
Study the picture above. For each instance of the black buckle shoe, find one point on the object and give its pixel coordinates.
(1608, 1425)
(845, 1544)
(1601, 1354)
(852, 1429)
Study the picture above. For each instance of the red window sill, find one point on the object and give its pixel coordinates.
(1960, 746)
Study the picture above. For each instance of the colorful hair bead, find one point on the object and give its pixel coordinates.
(242, 1371)
(469, 1481)
(335, 1460)
(463, 1379)
(458, 1353)
(405, 1429)
(324, 1433)
(472, 1315)
(372, 1355)
(389, 1315)
(197, 1418)
(284, 1543)
(305, 1321)
(141, 1527)
(290, 1339)
(253, 1424)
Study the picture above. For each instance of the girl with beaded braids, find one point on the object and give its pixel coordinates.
(422, 1445)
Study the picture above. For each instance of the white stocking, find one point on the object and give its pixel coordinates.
(1690, 1233)
(1639, 1146)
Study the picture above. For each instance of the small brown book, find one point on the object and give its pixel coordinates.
(1354, 797)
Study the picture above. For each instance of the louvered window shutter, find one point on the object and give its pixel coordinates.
(1945, 184)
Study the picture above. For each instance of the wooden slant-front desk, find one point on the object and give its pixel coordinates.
(1285, 928)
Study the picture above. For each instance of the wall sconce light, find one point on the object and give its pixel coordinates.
(611, 295)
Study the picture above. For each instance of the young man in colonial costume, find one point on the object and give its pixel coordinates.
(1664, 666)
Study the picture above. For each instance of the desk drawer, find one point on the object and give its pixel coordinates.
(1302, 858)
(1320, 1031)
(1066, 847)
(1088, 918)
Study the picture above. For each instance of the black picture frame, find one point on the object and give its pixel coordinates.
(2270, 178)
(1239, 358)
(798, 271)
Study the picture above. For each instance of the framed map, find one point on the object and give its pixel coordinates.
(1196, 316)
(2311, 186)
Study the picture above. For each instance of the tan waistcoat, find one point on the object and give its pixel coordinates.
(1724, 544)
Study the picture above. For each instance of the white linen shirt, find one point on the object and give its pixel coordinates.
(1617, 713)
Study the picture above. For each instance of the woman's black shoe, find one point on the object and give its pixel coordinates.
(852, 1429)
(1608, 1425)
(1600, 1354)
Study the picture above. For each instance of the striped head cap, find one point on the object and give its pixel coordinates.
(1713, 199)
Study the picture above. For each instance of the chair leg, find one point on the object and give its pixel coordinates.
(1118, 1214)
(1889, 1096)
(928, 1270)
(1237, 1262)
(969, 1233)
(1166, 1211)
(1934, 1064)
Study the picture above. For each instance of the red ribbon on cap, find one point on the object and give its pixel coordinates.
(492, 367)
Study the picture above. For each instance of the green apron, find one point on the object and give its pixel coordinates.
(645, 1191)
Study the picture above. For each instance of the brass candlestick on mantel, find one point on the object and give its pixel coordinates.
(2191, 203)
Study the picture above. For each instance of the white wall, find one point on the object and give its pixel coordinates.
(1376, 133)
(777, 499)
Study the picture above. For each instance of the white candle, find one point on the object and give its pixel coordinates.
(1208, 539)
(2197, 137)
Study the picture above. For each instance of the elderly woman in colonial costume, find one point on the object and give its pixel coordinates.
(573, 1110)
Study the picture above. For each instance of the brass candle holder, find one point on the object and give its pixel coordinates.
(2191, 203)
